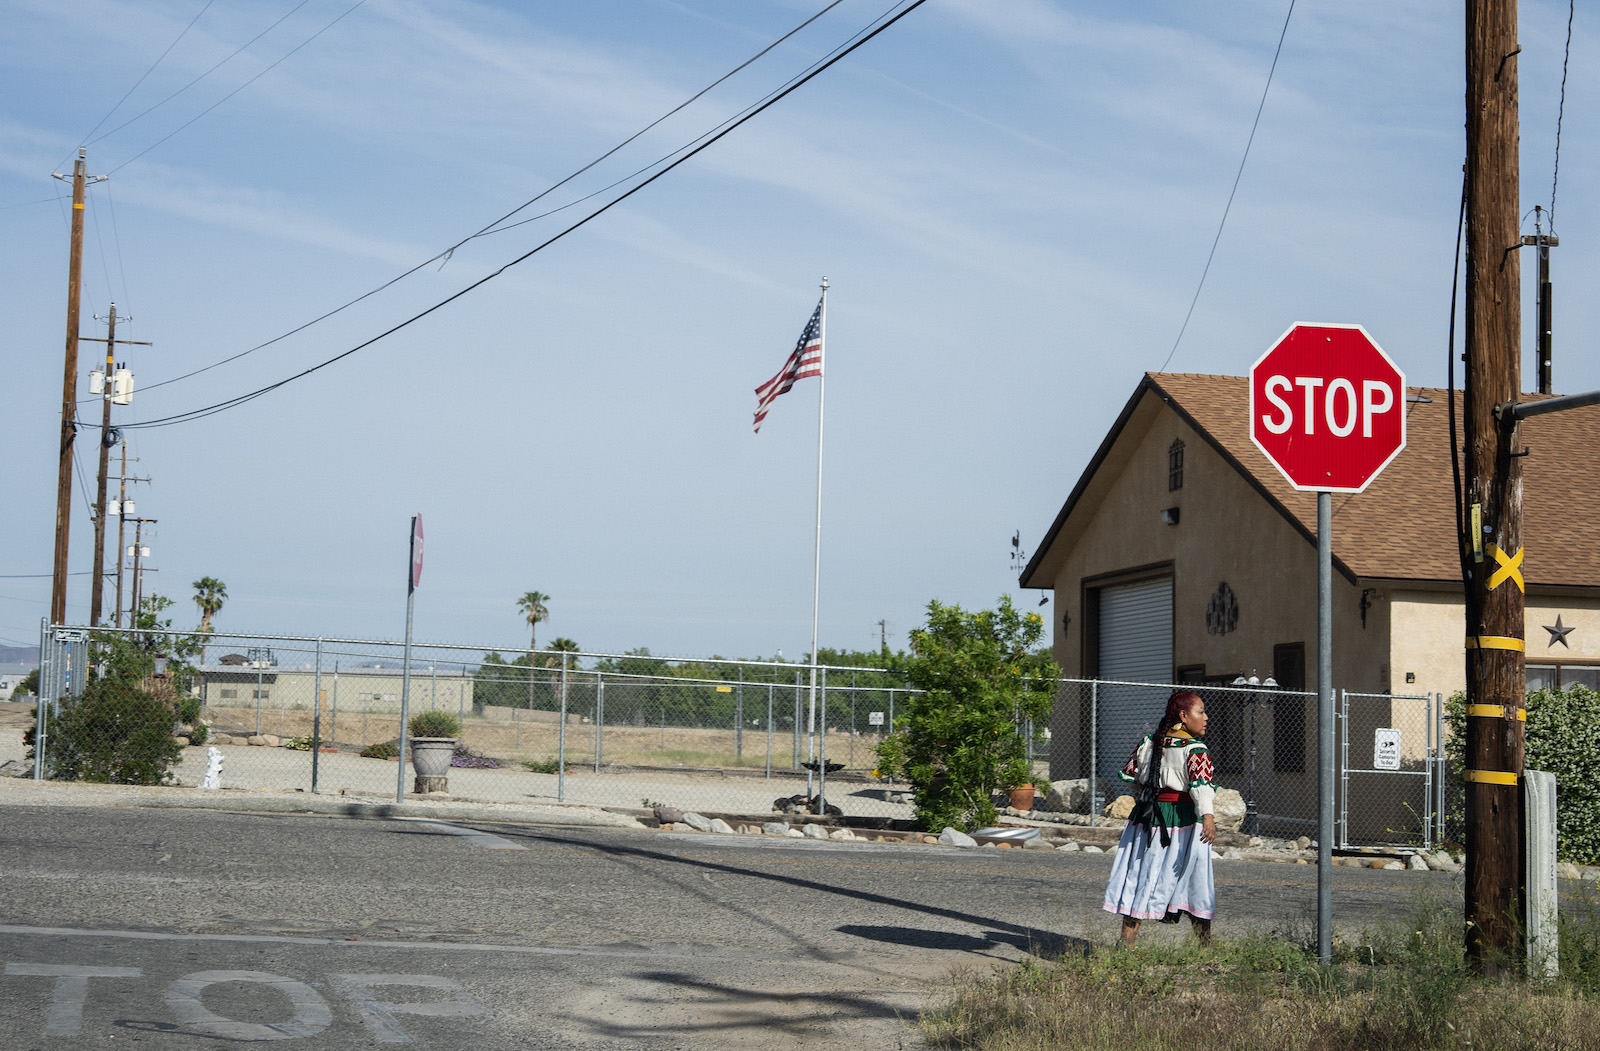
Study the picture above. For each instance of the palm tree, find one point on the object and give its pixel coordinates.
(532, 605)
(209, 594)
(560, 645)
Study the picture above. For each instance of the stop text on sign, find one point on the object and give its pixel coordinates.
(1327, 407)
(1339, 405)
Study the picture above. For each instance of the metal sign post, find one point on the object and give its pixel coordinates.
(1325, 724)
(413, 578)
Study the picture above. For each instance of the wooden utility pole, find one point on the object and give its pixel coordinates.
(1496, 677)
(97, 589)
(69, 395)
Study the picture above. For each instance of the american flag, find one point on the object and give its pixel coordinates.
(804, 362)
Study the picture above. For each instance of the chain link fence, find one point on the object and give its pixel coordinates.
(627, 730)
(727, 736)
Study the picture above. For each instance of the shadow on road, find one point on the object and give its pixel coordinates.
(1046, 944)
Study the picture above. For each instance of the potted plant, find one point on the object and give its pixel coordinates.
(433, 742)
(1016, 777)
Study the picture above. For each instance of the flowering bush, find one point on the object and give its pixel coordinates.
(381, 750)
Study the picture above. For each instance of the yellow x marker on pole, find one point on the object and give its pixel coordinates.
(1510, 568)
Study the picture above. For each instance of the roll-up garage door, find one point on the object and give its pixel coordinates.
(1135, 646)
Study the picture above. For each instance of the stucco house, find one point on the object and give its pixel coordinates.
(1182, 555)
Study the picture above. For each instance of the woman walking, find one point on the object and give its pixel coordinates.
(1163, 863)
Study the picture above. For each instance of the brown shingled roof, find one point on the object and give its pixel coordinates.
(1403, 526)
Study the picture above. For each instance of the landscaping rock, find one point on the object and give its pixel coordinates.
(183, 742)
(1070, 797)
(841, 833)
(1120, 807)
(814, 832)
(259, 740)
(775, 828)
(795, 833)
(954, 837)
(1441, 861)
(1038, 843)
(668, 815)
(1232, 854)
(1215, 856)
(1417, 863)
(696, 822)
(1228, 808)
(1303, 843)
(1069, 848)
(719, 825)
(1567, 870)
(1093, 850)
(1395, 866)
(1255, 841)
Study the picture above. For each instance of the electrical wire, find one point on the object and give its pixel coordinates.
(116, 240)
(495, 226)
(241, 87)
(1462, 547)
(42, 576)
(1561, 112)
(152, 69)
(1237, 176)
(235, 54)
(795, 84)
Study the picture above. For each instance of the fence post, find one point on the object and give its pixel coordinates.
(599, 709)
(1444, 763)
(822, 752)
(1094, 749)
(769, 731)
(333, 715)
(316, 719)
(889, 729)
(561, 737)
(852, 720)
(1427, 774)
(796, 719)
(1343, 730)
(41, 704)
(738, 720)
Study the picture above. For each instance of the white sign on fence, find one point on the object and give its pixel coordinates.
(1386, 749)
(874, 718)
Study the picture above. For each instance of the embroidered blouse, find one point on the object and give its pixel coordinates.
(1185, 768)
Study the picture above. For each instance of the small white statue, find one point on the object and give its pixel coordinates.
(213, 778)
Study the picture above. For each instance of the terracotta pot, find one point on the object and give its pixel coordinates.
(1021, 797)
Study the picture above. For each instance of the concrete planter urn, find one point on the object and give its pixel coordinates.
(430, 758)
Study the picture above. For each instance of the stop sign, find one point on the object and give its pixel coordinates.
(1328, 407)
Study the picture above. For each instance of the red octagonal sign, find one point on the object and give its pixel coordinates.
(1328, 407)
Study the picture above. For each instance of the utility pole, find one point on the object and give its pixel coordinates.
(1492, 555)
(125, 510)
(883, 635)
(115, 385)
(138, 569)
(1543, 242)
(69, 395)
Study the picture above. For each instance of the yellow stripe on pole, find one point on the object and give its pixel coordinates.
(1492, 777)
(1494, 711)
(1494, 642)
(77, 204)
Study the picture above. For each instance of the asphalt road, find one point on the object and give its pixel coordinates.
(206, 929)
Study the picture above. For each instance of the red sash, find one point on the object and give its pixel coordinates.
(1171, 797)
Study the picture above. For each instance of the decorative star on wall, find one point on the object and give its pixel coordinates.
(1558, 634)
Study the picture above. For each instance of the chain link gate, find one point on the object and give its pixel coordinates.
(1394, 800)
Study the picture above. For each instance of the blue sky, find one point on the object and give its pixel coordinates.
(1013, 202)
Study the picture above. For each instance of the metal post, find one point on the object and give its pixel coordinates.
(769, 730)
(822, 753)
(1427, 773)
(433, 691)
(1094, 749)
(1439, 780)
(1344, 769)
(1252, 823)
(1325, 727)
(796, 724)
(258, 693)
(889, 729)
(561, 737)
(316, 720)
(40, 705)
(405, 699)
(852, 720)
(738, 719)
(333, 716)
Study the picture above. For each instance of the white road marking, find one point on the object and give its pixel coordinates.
(311, 1012)
(471, 835)
(379, 1014)
(71, 989)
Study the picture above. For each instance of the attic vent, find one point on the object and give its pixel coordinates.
(1175, 465)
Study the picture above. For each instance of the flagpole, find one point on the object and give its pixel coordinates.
(816, 550)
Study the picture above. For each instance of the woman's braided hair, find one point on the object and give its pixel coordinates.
(1181, 701)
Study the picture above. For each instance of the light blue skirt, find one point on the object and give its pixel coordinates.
(1152, 882)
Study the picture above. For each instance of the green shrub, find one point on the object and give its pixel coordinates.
(434, 723)
(303, 744)
(979, 675)
(114, 733)
(381, 750)
(189, 710)
(199, 733)
(1560, 735)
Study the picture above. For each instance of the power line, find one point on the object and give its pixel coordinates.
(241, 87)
(495, 227)
(1237, 176)
(196, 80)
(152, 69)
(1561, 112)
(795, 84)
